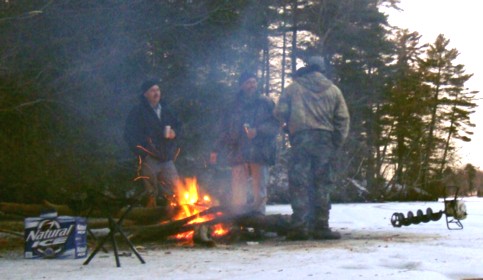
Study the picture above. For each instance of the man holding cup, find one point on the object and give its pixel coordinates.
(248, 131)
(151, 132)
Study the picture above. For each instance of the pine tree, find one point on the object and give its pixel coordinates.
(403, 112)
(450, 107)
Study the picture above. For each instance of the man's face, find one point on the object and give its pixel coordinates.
(153, 95)
(249, 86)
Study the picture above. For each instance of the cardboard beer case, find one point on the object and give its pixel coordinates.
(51, 236)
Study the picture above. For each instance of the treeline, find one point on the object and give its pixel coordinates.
(70, 71)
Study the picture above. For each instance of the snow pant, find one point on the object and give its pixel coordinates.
(160, 178)
(310, 179)
(246, 176)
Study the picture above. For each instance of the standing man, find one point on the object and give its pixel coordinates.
(248, 131)
(151, 132)
(316, 115)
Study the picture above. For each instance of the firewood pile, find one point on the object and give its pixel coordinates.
(237, 225)
(160, 224)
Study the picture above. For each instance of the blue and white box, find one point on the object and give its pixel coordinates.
(51, 236)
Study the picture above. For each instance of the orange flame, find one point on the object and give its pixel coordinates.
(192, 202)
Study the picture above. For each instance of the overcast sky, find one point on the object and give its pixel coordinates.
(459, 21)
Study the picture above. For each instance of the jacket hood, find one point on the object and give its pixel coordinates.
(315, 82)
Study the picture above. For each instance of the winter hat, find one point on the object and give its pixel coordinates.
(317, 62)
(245, 76)
(148, 84)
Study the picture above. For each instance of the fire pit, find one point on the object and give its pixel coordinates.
(200, 219)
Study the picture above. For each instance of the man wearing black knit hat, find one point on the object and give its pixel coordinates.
(151, 131)
(248, 131)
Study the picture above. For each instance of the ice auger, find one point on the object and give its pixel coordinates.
(454, 210)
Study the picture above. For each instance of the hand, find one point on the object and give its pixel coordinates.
(213, 158)
(251, 133)
(171, 134)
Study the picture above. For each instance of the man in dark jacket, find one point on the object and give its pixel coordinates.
(316, 115)
(151, 132)
(248, 131)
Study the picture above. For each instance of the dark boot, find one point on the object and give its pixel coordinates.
(322, 230)
(325, 234)
(298, 234)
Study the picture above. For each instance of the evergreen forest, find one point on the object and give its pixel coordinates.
(71, 70)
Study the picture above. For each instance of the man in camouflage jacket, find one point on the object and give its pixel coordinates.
(316, 115)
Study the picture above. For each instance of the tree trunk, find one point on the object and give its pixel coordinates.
(294, 36)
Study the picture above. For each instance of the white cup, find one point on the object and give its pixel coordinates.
(246, 126)
(167, 130)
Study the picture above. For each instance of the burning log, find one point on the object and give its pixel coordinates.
(202, 236)
(171, 227)
(220, 215)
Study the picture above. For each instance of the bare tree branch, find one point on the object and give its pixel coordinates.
(28, 14)
(20, 106)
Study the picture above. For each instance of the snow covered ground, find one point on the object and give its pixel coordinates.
(370, 248)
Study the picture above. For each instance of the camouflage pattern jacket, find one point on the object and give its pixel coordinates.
(257, 112)
(314, 102)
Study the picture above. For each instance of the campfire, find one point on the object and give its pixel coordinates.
(194, 205)
(199, 218)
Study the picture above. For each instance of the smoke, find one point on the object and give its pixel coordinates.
(197, 50)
